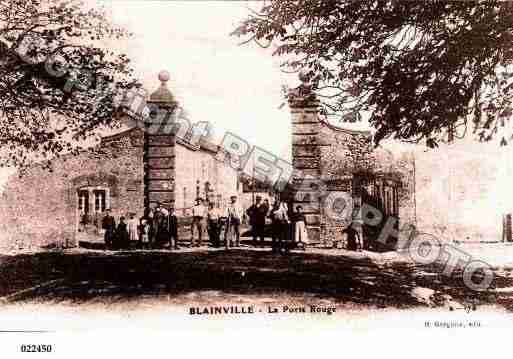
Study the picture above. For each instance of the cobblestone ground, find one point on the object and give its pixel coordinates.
(352, 280)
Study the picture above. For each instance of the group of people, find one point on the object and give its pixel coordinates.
(287, 230)
(216, 222)
(158, 228)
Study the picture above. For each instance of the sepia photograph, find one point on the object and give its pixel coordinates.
(336, 167)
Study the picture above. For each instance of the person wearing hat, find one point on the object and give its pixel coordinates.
(150, 216)
(155, 221)
(199, 213)
(213, 227)
(280, 227)
(300, 233)
(353, 238)
(109, 226)
(257, 214)
(160, 218)
(234, 213)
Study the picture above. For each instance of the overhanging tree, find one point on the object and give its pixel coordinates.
(421, 69)
(59, 80)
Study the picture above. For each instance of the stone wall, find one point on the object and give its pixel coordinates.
(41, 207)
(344, 153)
(323, 157)
(326, 157)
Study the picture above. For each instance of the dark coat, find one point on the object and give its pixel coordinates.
(122, 235)
(160, 226)
(352, 235)
(108, 223)
(172, 225)
(257, 214)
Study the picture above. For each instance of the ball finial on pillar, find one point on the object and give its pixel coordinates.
(164, 76)
(162, 94)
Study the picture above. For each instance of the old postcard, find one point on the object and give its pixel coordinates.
(331, 170)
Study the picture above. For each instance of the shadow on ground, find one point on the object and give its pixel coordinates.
(82, 277)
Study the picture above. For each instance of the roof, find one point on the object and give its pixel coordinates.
(117, 135)
(204, 145)
(346, 130)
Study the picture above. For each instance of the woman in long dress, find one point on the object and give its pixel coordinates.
(122, 234)
(132, 228)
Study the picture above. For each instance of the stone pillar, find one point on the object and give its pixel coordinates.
(159, 147)
(306, 155)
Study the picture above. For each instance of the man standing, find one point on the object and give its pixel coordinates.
(160, 225)
(109, 226)
(353, 237)
(213, 217)
(234, 214)
(300, 233)
(275, 226)
(257, 214)
(172, 229)
(151, 217)
(282, 226)
(155, 220)
(198, 219)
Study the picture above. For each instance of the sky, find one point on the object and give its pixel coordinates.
(235, 88)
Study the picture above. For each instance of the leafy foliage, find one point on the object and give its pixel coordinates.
(59, 79)
(420, 68)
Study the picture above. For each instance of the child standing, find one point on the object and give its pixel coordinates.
(144, 238)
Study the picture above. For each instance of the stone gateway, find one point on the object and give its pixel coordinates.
(131, 171)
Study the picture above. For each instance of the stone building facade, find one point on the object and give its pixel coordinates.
(55, 208)
(65, 205)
